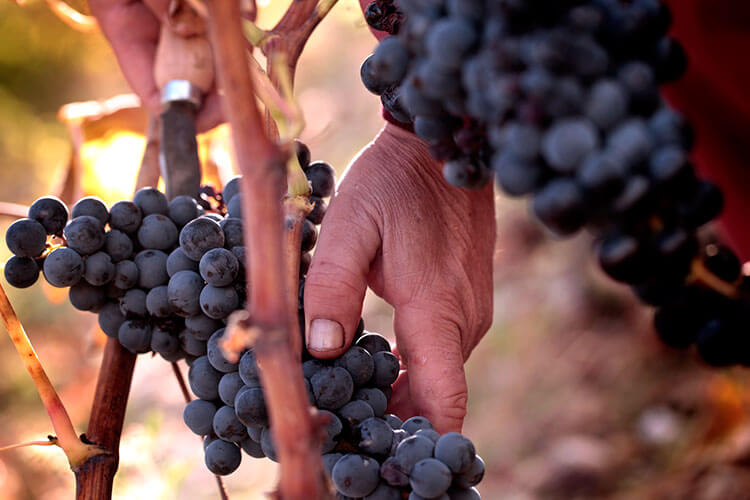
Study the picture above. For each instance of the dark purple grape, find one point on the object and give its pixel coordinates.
(157, 302)
(222, 457)
(135, 335)
(374, 397)
(125, 216)
(456, 451)
(358, 362)
(152, 268)
(158, 232)
(182, 209)
(51, 213)
(356, 475)
(26, 238)
(232, 228)
(110, 318)
(204, 379)
(219, 267)
(184, 291)
(198, 415)
(118, 245)
(63, 267)
(218, 302)
(151, 201)
(126, 275)
(322, 177)
(250, 407)
(199, 236)
(21, 272)
(85, 297)
(333, 387)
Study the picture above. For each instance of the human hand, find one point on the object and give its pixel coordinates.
(132, 28)
(424, 246)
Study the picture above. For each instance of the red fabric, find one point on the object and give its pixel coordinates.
(714, 95)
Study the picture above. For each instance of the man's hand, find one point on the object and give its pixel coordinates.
(424, 246)
(132, 28)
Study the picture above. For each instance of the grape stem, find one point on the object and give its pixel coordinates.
(699, 273)
(51, 441)
(186, 395)
(76, 450)
(262, 165)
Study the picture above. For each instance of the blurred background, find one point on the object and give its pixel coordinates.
(571, 395)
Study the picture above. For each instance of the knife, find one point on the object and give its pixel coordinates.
(184, 73)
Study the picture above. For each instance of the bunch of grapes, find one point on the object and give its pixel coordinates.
(560, 100)
(163, 277)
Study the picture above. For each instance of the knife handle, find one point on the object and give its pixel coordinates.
(184, 53)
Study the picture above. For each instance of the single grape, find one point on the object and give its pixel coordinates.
(198, 415)
(118, 245)
(92, 206)
(252, 448)
(182, 209)
(110, 318)
(158, 232)
(204, 379)
(386, 368)
(231, 188)
(456, 451)
(152, 268)
(248, 369)
(135, 336)
(250, 407)
(199, 236)
(216, 357)
(430, 434)
(218, 302)
(50, 212)
(219, 267)
(222, 457)
(232, 228)
(333, 387)
(178, 261)
(157, 302)
(355, 475)
(191, 345)
(267, 444)
(355, 412)
(227, 426)
(201, 326)
(21, 272)
(374, 436)
(126, 274)
(85, 297)
(183, 292)
(98, 269)
(413, 449)
(234, 207)
(322, 176)
(151, 201)
(414, 424)
(359, 363)
(229, 385)
(329, 460)
(393, 472)
(430, 478)
(63, 267)
(473, 475)
(125, 216)
(26, 238)
(133, 303)
(164, 343)
(332, 429)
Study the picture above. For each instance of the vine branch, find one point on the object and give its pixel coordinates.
(263, 167)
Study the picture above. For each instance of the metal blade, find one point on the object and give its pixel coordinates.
(178, 158)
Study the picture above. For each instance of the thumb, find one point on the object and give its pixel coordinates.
(430, 347)
(336, 283)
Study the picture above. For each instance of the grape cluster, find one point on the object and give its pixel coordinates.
(162, 275)
(395, 458)
(560, 100)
